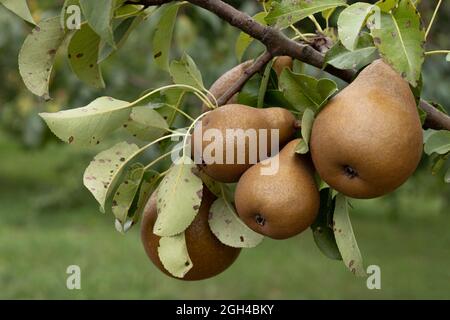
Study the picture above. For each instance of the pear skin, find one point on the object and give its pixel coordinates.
(282, 62)
(367, 140)
(208, 255)
(237, 116)
(224, 82)
(282, 205)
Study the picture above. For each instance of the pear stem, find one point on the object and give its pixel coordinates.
(428, 53)
(432, 19)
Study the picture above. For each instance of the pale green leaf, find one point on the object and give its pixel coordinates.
(350, 23)
(302, 147)
(244, 40)
(448, 57)
(174, 256)
(338, 56)
(126, 192)
(101, 175)
(400, 38)
(128, 10)
(162, 38)
(90, 124)
(20, 8)
(345, 238)
(146, 124)
(447, 176)
(99, 14)
(179, 198)
(307, 123)
(147, 187)
(229, 228)
(185, 71)
(37, 56)
(83, 52)
(288, 12)
(438, 142)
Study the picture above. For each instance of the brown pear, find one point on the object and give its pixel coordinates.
(222, 84)
(240, 117)
(368, 140)
(283, 204)
(208, 255)
(281, 63)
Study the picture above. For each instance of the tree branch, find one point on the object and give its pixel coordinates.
(278, 44)
(248, 73)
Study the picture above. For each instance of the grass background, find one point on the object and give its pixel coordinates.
(38, 243)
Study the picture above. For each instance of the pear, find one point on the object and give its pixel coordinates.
(239, 117)
(224, 82)
(367, 140)
(283, 204)
(281, 63)
(208, 255)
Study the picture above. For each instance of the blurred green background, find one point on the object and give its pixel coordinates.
(48, 221)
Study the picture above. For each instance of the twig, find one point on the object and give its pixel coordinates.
(248, 73)
(435, 118)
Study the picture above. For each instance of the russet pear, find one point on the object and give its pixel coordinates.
(367, 140)
(282, 62)
(208, 255)
(283, 204)
(239, 118)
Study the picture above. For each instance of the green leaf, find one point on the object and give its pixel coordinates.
(447, 176)
(448, 57)
(264, 83)
(128, 10)
(427, 134)
(386, 5)
(146, 124)
(20, 8)
(288, 12)
(302, 147)
(400, 40)
(83, 52)
(186, 72)
(101, 175)
(438, 142)
(174, 256)
(122, 31)
(244, 40)
(179, 198)
(229, 229)
(438, 163)
(364, 53)
(345, 238)
(90, 124)
(37, 56)
(126, 192)
(351, 20)
(162, 38)
(304, 91)
(147, 187)
(99, 14)
(322, 228)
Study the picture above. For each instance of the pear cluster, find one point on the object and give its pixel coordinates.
(364, 143)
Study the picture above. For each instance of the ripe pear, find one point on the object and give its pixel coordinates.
(283, 204)
(208, 255)
(222, 84)
(368, 140)
(282, 62)
(235, 117)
